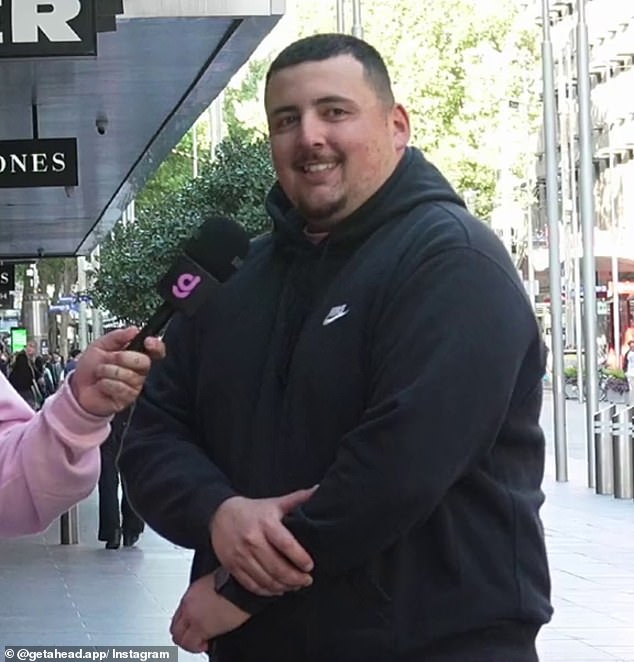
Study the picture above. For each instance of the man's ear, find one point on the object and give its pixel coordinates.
(400, 125)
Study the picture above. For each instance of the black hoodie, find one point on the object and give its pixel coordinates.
(398, 365)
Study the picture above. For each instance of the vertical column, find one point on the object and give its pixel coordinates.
(587, 213)
(552, 210)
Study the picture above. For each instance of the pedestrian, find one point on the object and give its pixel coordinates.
(49, 460)
(628, 369)
(71, 364)
(23, 380)
(348, 433)
(117, 520)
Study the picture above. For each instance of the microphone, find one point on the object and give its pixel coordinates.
(207, 259)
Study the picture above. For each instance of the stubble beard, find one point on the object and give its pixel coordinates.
(322, 218)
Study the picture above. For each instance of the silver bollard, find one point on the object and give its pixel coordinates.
(622, 433)
(69, 527)
(603, 450)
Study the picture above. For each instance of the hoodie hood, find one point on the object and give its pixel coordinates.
(414, 181)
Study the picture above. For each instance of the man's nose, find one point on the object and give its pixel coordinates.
(311, 133)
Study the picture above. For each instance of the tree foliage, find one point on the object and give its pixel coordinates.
(456, 65)
(137, 254)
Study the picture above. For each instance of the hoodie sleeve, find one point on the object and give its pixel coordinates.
(445, 358)
(170, 480)
(48, 460)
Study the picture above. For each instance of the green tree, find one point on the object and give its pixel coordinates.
(172, 175)
(454, 65)
(243, 107)
(136, 255)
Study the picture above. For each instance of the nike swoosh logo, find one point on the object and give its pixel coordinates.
(332, 317)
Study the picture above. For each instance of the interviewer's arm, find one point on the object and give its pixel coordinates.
(49, 460)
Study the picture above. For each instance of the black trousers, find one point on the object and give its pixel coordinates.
(113, 516)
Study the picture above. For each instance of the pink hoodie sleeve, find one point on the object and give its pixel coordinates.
(48, 461)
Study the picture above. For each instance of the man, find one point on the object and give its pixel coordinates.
(331, 371)
(71, 364)
(117, 520)
(628, 368)
(31, 350)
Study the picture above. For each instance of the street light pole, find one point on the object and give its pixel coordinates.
(357, 27)
(587, 214)
(552, 211)
(341, 23)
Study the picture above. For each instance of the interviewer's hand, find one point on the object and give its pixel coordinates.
(254, 546)
(108, 379)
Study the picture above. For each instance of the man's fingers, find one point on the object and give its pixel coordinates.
(285, 543)
(184, 635)
(260, 584)
(282, 571)
(178, 624)
(290, 501)
(261, 572)
(191, 641)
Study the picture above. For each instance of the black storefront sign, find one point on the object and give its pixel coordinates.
(33, 28)
(6, 301)
(7, 277)
(34, 163)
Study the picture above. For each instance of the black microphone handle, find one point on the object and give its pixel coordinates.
(153, 327)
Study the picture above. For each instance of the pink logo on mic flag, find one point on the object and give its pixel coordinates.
(185, 285)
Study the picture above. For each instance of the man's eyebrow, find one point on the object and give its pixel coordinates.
(332, 98)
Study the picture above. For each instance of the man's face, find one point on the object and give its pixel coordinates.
(334, 142)
(31, 349)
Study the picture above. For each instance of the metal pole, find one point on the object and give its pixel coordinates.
(552, 210)
(529, 258)
(568, 253)
(604, 449)
(69, 521)
(586, 199)
(616, 313)
(622, 454)
(195, 151)
(83, 316)
(357, 27)
(341, 22)
(575, 228)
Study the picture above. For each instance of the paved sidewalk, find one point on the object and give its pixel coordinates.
(84, 594)
(590, 542)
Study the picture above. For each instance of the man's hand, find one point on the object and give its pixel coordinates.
(108, 379)
(202, 615)
(254, 546)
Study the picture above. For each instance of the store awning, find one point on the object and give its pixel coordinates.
(127, 107)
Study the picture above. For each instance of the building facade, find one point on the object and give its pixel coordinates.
(611, 35)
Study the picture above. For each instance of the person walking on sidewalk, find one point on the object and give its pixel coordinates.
(350, 494)
(628, 369)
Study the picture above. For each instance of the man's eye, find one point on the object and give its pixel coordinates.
(335, 113)
(286, 121)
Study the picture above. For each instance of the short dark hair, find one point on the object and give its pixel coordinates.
(320, 47)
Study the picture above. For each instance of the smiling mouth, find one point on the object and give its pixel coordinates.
(318, 167)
